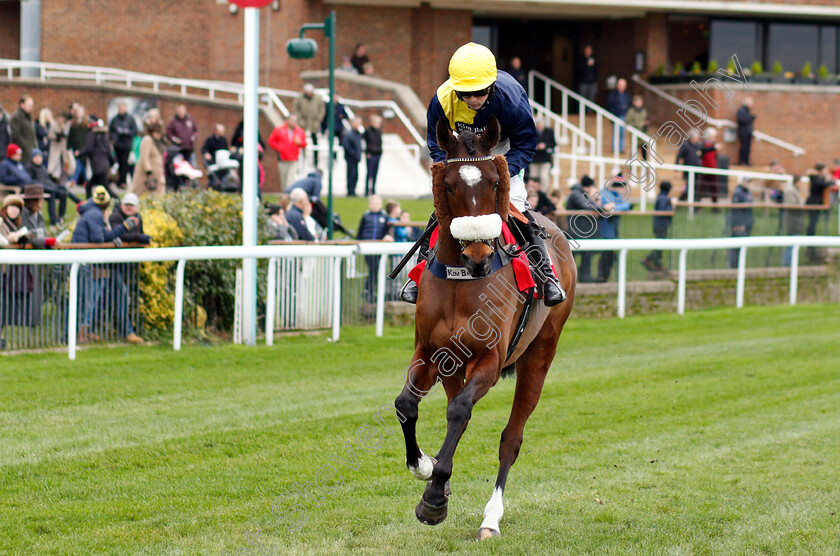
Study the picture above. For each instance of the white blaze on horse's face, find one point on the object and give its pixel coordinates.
(470, 174)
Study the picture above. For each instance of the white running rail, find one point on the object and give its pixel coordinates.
(625, 245)
(637, 137)
(619, 165)
(716, 122)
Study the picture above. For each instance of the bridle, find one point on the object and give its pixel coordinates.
(488, 242)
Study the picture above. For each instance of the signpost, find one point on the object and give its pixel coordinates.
(249, 159)
(302, 48)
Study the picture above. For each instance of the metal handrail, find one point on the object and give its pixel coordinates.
(636, 135)
(577, 134)
(718, 122)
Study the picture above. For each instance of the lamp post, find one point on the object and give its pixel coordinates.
(301, 48)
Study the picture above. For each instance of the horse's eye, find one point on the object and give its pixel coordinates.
(449, 188)
(496, 185)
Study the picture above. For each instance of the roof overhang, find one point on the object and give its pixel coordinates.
(597, 9)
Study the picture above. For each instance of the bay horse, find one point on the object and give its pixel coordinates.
(465, 327)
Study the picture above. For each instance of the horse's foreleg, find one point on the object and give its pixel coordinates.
(433, 506)
(420, 380)
(531, 370)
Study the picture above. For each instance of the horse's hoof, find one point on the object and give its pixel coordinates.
(429, 514)
(486, 533)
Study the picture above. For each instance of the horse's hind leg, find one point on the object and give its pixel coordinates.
(531, 369)
(420, 380)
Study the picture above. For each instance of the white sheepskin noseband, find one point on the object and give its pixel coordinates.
(473, 228)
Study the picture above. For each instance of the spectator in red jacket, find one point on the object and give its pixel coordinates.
(288, 140)
(183, 131)
(707, 184)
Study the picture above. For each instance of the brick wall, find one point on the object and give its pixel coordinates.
(804, 116)
(95, 99)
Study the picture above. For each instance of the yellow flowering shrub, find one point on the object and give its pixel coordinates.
(156, 281)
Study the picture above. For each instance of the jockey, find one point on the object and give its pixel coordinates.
(474, 92)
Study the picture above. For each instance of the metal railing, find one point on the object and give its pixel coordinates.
(338, 276)
(618, 165)
(717, 122)
(637, 136)
(580, 139)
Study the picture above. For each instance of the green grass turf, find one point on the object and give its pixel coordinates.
(711, 433)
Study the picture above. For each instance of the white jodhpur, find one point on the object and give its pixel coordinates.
(425, 466)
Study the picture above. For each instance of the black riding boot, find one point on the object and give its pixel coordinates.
(533, 235)
(408, 293)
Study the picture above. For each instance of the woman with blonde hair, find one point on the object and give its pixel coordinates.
(42, 130)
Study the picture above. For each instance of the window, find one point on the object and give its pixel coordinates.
(729, 37)
(828, 48)
(793, 44)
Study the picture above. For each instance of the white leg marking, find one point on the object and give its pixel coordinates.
(424, 468)
(493, 511)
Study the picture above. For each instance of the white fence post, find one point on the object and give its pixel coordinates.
(73, 311)
(336, 324)
(691, 178)
(179, 304)
(742, 277)
(681, 283)
(622, 283)
(794, 273)
(270, 301)
(380, 295)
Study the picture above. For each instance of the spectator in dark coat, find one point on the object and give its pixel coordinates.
(340, 117)
(23, 127)
(618, 102)
(517, 72)
(689, 155)
(215, 142)
(360, 58)
(587, 74)
(122, 130)
(91, 226)
(98, 151)
(740, 219)
(297, 213)
(583, 197)
(12, 170)
(40, 175)
(373, 227)
(311, 184)
(130, 207)
(745, 119)
(538, 200)
(661, 225)
(352, 143)
(541, 164)
(373, 152)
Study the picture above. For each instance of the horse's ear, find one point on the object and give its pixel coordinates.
(490, 137)
(445, 137)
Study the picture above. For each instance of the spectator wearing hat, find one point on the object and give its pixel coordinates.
(129, 207)
(11, 225)
(23, 126)
(97, 150)
(183, 131)
(12, 171)
(310, 109)
(40, 175)
(91, 227)
(122, 131)
(102, 281)
(33, 201)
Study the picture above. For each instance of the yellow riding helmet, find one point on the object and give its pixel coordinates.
(472, 68)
